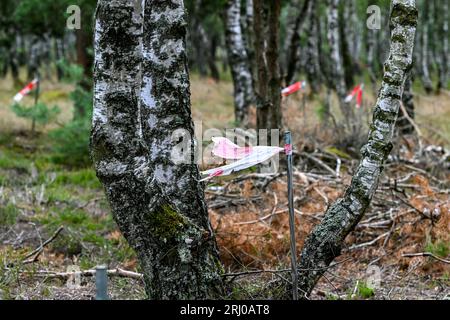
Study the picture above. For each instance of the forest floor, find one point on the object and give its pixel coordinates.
(409, 214)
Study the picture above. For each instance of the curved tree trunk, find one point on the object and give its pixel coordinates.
(324, 244)
(141, 96)
(239, 61)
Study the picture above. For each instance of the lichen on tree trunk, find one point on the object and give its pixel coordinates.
(141, 96)
(324, 244)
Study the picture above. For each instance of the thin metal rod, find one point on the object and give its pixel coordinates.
(288, 151)
(36, 99)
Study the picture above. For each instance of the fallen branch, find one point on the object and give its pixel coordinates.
(366, 244)
(87, 273)
(416, 127)
(425, 254)
(33, 256)
(320, 163)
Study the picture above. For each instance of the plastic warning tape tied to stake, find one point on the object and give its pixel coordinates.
(293, 88)
(358, 93)
(26, 90)
(246, 157)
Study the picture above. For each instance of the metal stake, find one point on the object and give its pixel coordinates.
(101, 283)
(36, 99)
(288, 151)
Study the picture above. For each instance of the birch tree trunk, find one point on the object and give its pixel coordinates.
(239, 61)
(426, 78)
(34, 60)
(266, 26)
(141, 96)
(249, 38)
(442, 33)
(292, 42)
(59, 55)
(370, 40)
(337, 70)
(403, 124)
(347, 36)
(83, 58)
(324, 244)
(313, 71)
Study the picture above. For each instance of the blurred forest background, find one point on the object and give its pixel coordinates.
(47, 181)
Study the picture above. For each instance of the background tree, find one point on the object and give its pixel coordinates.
(268, 88)
(141, 97)
(324, 244)
(337, 74)
(239, 61)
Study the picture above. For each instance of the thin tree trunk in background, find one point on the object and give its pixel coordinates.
(347, 37)
(266, 27)
(324, 244)
(199, 43)
(83, 59)
(292, 42)
(442, 33)
(206, 46)
(14, 63)
(239, 62)
(59, 56)
(425, 59)
(337, 69)
(370, 40)
(141, 96)
(313, 71)
(34, 61)
(445, 51)
(46, 49)
(403, 124)
(249, 38)
(212, 61)
(324, 55)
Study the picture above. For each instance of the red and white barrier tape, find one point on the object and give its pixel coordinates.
(246, 157)
(26, 90)
(358, 93)
(293, 88)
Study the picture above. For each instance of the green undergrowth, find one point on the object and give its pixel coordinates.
(58, 195)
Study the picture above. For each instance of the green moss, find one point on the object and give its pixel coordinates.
(406, 15)
(166, 222)
(337, 152)
(364, 291)
(399, 38)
